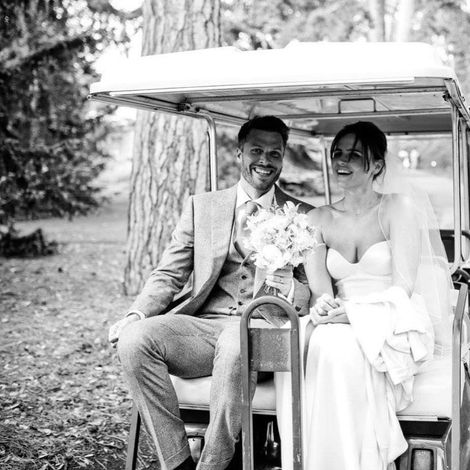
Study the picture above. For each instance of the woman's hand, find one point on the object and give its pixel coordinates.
(328, 310)
(281, 279)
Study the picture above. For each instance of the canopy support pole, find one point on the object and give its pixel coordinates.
(457, 184)
(326, 170)
(465, 189)
(212, 137)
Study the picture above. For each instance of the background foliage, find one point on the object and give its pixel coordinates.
(50, 150)
(51, 139)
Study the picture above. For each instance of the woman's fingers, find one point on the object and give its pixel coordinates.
(315, 316)
(328, 310)
(330, 301)
(337, 311)
(325, 303)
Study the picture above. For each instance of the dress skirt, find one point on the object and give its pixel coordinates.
(338, 422)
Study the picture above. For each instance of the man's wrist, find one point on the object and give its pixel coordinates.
(289, 297)
(140, 314)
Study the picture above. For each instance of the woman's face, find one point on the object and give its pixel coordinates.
(348, 163)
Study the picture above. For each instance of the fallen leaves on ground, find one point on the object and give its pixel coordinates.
(63, 402)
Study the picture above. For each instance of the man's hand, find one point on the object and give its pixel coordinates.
(115, 330)
(328, 310)
(281, 279)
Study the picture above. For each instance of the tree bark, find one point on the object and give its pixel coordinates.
(377, 11)
(403, 22)
(170, 152)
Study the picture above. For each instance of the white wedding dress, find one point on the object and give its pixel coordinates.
(357, 375)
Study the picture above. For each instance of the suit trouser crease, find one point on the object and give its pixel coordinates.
(225, 401)
(148, 358)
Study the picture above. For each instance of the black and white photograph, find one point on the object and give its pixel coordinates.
(234, 234)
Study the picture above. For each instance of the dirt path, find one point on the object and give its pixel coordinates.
(63, 402)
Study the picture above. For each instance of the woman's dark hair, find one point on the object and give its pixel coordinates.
(373, 140)
(263, 123)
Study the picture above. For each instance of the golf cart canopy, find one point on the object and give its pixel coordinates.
(316, 87)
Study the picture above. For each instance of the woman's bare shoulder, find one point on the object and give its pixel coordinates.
(401, 203)
(320, 215)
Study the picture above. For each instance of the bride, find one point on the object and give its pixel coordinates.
(380, 290)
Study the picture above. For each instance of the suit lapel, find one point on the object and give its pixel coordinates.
(222, 215)
(280, 197)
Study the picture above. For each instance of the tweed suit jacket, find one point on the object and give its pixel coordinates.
(199, 246)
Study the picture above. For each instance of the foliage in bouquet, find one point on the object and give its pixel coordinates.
(279, 236)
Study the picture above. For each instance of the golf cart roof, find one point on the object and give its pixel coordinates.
(316, 87)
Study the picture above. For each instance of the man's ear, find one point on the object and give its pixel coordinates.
(239, 152)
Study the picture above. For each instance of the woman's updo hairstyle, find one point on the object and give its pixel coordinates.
(373, 140)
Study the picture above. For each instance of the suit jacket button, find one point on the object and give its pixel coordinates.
(242, 291)
(240, 303)
(243, 276)
(297, 308)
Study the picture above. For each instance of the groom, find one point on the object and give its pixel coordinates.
(200, 336)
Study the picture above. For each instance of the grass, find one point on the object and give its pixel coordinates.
(63, 401)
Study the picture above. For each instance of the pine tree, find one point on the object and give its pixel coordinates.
(50, 134)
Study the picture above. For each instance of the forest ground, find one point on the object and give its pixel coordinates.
(63, 402)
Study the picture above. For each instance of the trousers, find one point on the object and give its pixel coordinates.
(188, 347)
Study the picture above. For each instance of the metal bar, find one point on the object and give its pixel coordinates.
(430, 418)
(212, 136)
(401, 113)
(132, 103)
(456, 188)
(457, 339)
(465, 189)
(323, 93)
(247, 423)
(326, 171)
(133, 444)
(243, 91)
(154, 105)
(454, 96)
(296, 374)
(211, 131)
(230, 119)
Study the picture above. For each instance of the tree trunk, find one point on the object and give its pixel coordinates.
(377, 12)
(170, 158)
(403, 22)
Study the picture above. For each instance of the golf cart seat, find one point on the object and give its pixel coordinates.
(193, 394)
(432, 393)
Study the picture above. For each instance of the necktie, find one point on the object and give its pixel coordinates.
(241, 231)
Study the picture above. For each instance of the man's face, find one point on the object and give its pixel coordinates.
(261, 159)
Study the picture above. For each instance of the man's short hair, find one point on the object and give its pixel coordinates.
(263, 123)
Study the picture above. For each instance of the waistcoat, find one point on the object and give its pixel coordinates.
(234, 288)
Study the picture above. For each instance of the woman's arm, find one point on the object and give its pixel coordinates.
(324, 308)
(318, 277)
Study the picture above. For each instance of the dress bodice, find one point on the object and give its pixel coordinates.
(372, 273)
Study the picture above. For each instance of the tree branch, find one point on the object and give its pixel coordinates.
(17, 55)
(103, 6)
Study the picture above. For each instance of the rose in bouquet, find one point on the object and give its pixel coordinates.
(279, 236)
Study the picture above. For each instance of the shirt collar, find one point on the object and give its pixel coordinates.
(265, 201)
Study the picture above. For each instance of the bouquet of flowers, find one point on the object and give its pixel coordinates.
(279, 236)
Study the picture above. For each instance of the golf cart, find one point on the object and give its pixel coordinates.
(317, 88)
